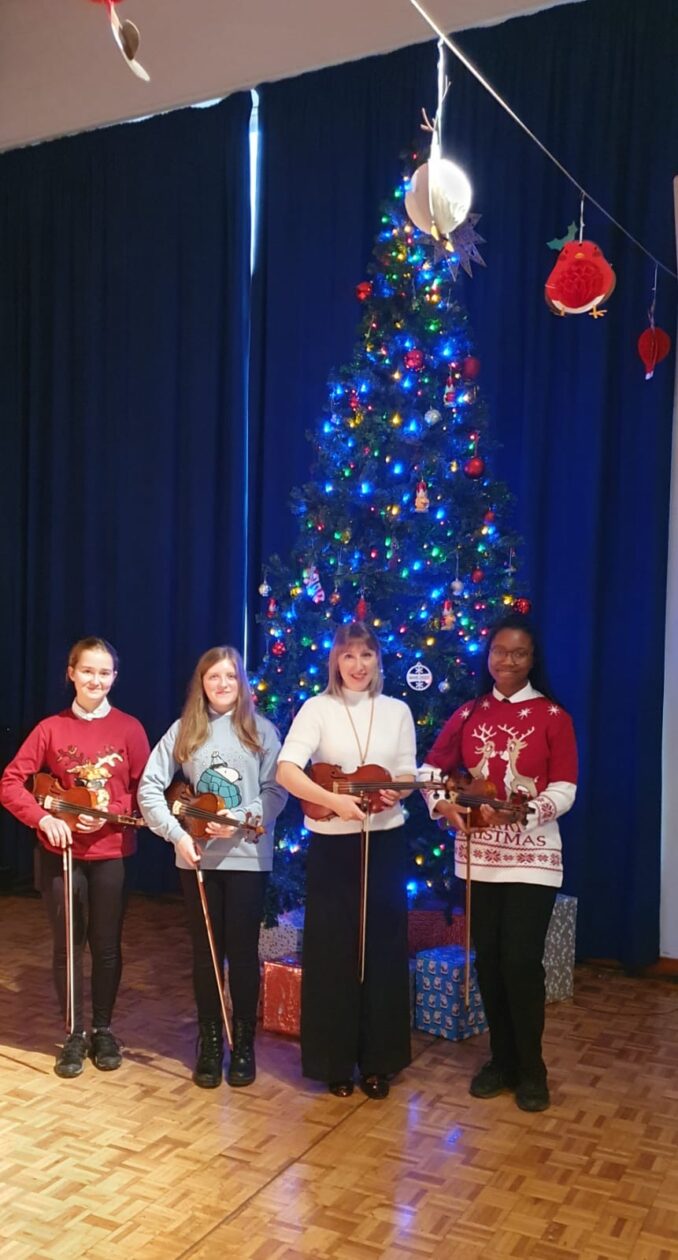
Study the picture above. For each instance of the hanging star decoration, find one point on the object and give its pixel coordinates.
(461, 250)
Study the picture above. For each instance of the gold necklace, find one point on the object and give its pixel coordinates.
(362, 755)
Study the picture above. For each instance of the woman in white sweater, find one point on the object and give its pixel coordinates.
(344, 1022)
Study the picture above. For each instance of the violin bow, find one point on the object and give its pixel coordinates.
(217, 965)
(67, 862)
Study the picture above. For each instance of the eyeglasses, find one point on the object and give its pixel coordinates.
(515, 654)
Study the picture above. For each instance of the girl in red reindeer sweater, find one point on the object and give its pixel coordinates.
(96, 746)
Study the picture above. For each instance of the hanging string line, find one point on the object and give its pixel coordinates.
(547, 152)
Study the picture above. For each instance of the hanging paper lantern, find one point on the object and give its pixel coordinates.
(522, 605)
(363, 290)
(432, 416)
(581, 279)
(361, 609)
(653, 346)
(414, 360)
(421, 500)
(439, 196)
(470, 368)
(474, 467)
(477, 575)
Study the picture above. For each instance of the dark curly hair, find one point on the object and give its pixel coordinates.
(538, 675)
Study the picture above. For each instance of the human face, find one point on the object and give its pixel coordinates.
(92, 676)
(357, 666)
(510, 660)
(220, 684)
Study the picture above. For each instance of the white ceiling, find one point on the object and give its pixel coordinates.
(60, 70)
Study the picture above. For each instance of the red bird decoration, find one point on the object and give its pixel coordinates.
(581, 279)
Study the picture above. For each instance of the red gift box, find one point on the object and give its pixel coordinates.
(427, 929)
(282, 995)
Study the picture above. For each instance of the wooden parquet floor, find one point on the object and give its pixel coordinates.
(140, 1165)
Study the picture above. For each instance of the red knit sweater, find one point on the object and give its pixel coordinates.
(107, 755)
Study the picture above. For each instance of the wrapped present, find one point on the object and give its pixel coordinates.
(282, 995)
(559, 949)
(413, 989)
(427, 928)
(440, 1007)
(285, 938)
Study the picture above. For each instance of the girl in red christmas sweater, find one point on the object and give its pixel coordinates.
(96, 746)
(516, 736)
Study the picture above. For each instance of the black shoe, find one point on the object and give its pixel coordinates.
(73, 1054)
(374, 1086)
(209, 1064)
(533, 1095)
(105, 1050)
(242, 1068)
(341, 1089)
(492, 1080)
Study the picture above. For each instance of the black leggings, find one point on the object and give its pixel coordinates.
(235, 901)
(98, 909)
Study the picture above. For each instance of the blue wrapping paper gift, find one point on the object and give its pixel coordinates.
(440, 1008)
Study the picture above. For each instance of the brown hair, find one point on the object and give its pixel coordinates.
(353, 632)
(91, 644)
(195, 720)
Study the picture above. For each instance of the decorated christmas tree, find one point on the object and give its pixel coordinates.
(402, 526)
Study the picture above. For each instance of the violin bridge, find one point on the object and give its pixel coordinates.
(176, 808)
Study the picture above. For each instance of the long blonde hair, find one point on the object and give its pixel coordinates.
(195, 720)
(353, 632)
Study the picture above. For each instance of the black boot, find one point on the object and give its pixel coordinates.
(242, 1069)
(210, 1059)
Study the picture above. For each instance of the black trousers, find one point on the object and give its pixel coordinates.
(98, 909)
(343, 1022)
(509, 924)
(235, 901)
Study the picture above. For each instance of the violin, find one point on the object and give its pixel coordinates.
(366, 782)
(196, 811)
(72, 801)
(469, 793)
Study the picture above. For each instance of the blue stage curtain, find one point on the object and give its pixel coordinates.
(586, 441)
(124, 313)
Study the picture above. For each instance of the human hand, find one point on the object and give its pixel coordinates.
(347, 807)
(87, 823)
(220, 831)
(188, 851)
(389, 798)
(454, 815)
(56, 832)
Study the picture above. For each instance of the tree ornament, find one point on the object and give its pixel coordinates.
(653, 346)
(363, 290)
(457, 587)
(470, 368)
(335, 597)
(361, 609)
(271, 607)
(419, 677)
(414, 360)
(488, 517)
(474, 467)
(447, 617)
(421, 500)
(450, 394)
(443, 686)
(432, 417)
(278, 648)
(311, 580)
(477, 575)
(522, 605)
(354, 401)
(581, 279)
(264, 588)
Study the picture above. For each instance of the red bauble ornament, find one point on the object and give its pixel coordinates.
(474, 467)
(653, 346)
(522, 605)
(278, 648)
(363, 290)
(470, 368)
(414, 360)
(488, 517)
(271, 607)
(354, 401)
(581, 279)
(477, 575)
(361, 609)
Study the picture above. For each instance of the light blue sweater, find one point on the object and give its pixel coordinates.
(245, 781)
